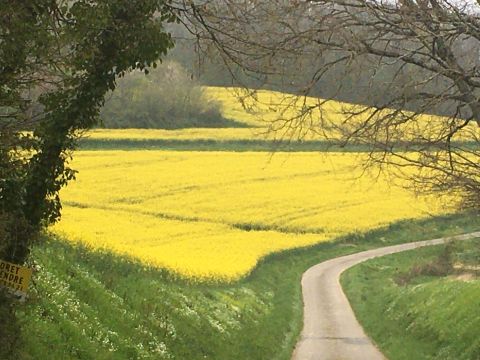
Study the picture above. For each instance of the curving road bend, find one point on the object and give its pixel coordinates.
(330, 329)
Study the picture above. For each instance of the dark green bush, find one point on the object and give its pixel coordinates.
(166, 98)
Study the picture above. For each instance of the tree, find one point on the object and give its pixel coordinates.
(58, 59)
(167, 98)
(410, 56)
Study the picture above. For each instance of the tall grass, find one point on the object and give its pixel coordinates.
(418, 304)
(94, 305)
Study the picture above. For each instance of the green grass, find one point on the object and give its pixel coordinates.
(93, 305)
(214, 145)
(414, 306)
(228, 145)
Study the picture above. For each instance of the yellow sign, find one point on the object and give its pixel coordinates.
(15, 277)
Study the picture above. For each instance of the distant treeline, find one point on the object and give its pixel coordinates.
(360, 80)
(171, 96)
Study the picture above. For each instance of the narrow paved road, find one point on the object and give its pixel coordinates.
(330, 329)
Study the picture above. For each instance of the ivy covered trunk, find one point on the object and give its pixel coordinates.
(58, 60)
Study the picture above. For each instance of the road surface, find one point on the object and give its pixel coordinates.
(330, 329)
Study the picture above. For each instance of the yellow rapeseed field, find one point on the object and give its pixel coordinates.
(215, 214)
(263, 107)
(266, 112)
(217, 134)
(282, 114)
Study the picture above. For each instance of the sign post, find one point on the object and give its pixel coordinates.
(16, 278)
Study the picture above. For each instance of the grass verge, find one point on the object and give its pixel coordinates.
(420, 304)
(229, 145)
(215, 145)
(93, 305)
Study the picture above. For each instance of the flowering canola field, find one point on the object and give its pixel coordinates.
(215, 214)
(277, 112)
(266, 117)
(191, 134)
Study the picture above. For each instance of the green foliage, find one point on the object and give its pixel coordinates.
(69, 54)
(413, 305)
(74, 52)
(9, 330)
(214, 145)
(94, 305)
(167, 98)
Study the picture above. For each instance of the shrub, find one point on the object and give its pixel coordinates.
(166, 98)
